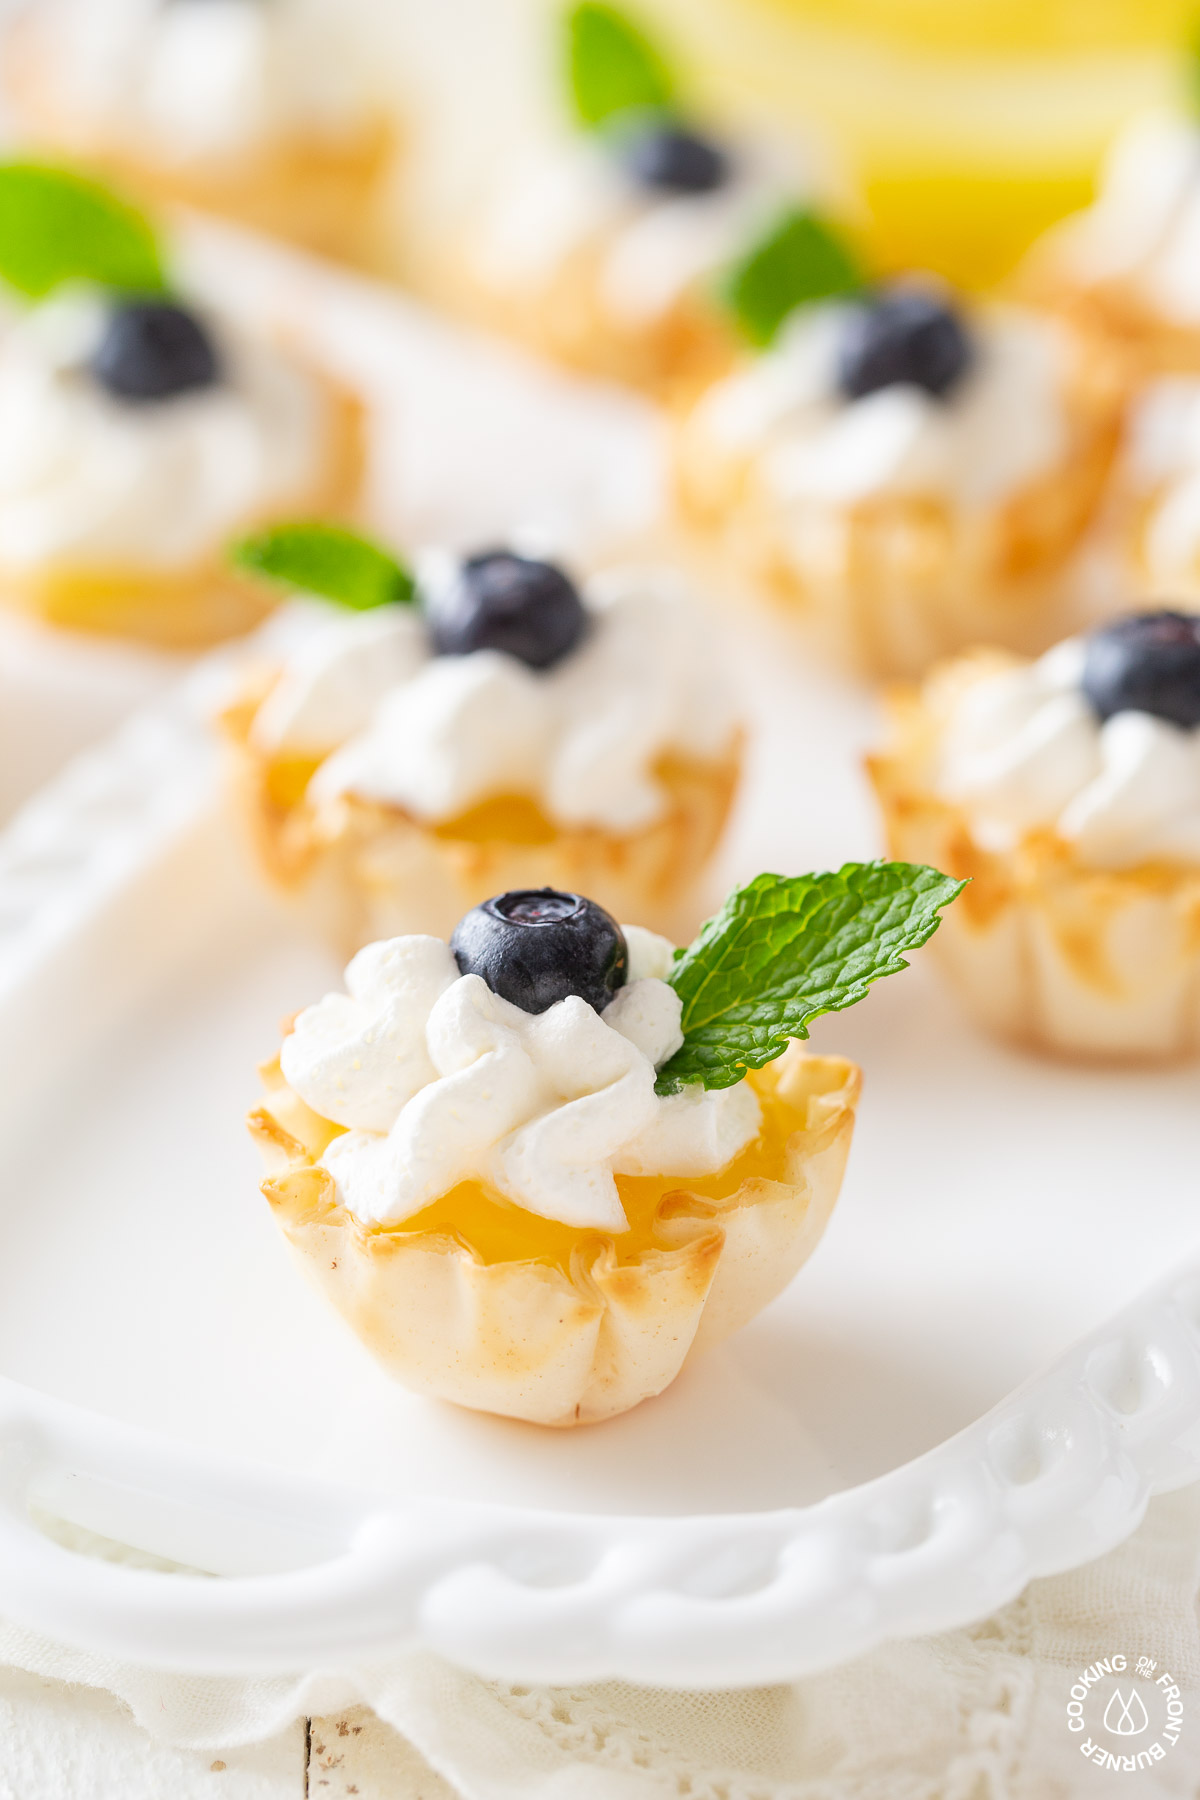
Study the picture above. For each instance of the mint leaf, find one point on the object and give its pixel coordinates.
(784, 949)
(798, 259)
(612, 67)
(57, 226)
(327, 560)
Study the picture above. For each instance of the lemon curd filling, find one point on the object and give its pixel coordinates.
(495, 1230)
(286, 779)
(180, 609)
(505, 818)
(501, 818)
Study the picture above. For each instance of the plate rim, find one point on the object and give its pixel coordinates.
(1058, 1473)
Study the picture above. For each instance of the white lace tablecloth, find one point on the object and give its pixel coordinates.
(979, 1714)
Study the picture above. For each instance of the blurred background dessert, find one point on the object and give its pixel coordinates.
(479, 724)
(906, 473)
(138, 429)
(266, 110)
(630, 235)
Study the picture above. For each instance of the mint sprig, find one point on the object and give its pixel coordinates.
(328, 560)
(612, 66)
(56, 226)
(784, 949)
(798, 259)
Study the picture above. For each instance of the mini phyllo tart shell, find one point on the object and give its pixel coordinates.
(359, 870)
(481, 1303)
(1086, 963)
(892, 581)
(1148, 344)
(315, 192)
(1114, 309)
(675, 353)
(1151, 542)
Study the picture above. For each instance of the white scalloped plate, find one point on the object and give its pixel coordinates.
(173, 1383)
(61, 691)
(845, 1469)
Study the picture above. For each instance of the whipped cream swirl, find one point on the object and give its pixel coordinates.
(194, 81)
(439, 1081)
(89, 479)
(437, 735)
(1023, 750)
(1003, 425)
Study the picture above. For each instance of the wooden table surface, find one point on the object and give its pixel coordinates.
(76, 1743)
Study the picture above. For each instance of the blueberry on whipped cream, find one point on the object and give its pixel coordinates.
(439, 1079)
(1094, 742)
(906, 335)
(895, 396)
(506, 680)
(1147, 663)
(534, 947)
(501, 601)
(153, 350)
(127, 441)
(670, 159)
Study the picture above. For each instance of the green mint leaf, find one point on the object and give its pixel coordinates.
(56, 226)
(327, 560)
(798, 259)
(784, 949)
(612, 67)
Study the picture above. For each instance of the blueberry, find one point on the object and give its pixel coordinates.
(153, 350)
(904, 335)
(499, 601)
(678, 161)
(1148, 662)
(535, 946)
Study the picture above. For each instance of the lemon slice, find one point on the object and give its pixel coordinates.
(965, 130)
